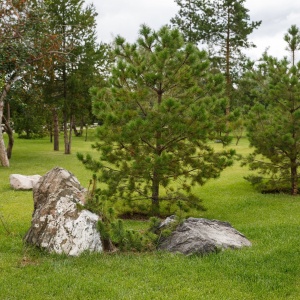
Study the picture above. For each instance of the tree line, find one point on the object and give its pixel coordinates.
(163, 101)
(49, 57)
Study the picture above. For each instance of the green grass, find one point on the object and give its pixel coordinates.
(270, 269)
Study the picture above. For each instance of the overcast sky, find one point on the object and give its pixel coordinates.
(124, 17)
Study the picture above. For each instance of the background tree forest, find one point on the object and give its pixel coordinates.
(163, 101)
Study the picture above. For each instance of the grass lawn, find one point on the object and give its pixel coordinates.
(270, 269)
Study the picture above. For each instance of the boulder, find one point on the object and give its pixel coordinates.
(202, 236)
(58, 224)
(23, 182)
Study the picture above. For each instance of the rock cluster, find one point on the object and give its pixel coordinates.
(60, 225)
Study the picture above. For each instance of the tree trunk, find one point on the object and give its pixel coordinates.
(3, 155)
(76, 132)
(81, 126)
(68, 134)
(156, 176)
(27, 131)
(55, 130)
(108, 246)
(10, 134)
(228, 77)
(86, 132)
(294, 177)
(7, 113)
(155, 194)
(50, 129)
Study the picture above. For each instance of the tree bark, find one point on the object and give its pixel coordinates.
(68, 135)
(76, 132)
(155, 194)
(55, 130)
(9, 132)
(81, 126)
(70, 132)
(11, 141)
(66, 144)
(3, 155)
(228, 77)
(156, 177)
(86, 133)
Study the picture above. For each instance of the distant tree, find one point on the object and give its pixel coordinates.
(76, 24)
(91, 71)
(158, 114)
(223, 25)
(237, 126)
(28, 115)
(52, 98)
(25, 43)
(274, 125)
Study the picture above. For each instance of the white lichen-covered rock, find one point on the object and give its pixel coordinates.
(58, 225)
(23, 182)
(202, 236)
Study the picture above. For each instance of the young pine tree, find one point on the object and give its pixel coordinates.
(159, 113)
(274, 125)
(292, 37)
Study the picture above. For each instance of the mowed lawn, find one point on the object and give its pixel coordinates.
(270, 269)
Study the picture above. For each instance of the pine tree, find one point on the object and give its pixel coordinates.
(158, 113)
(76, 24)
(292, 37)
(274, 125)
(223, 25)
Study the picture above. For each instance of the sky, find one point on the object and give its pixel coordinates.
(124, 17)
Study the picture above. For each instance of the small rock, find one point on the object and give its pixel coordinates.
(167, 222)
(23, 182)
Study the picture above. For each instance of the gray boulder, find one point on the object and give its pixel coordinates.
(202, 236)
(58, 225)
(23, 182)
